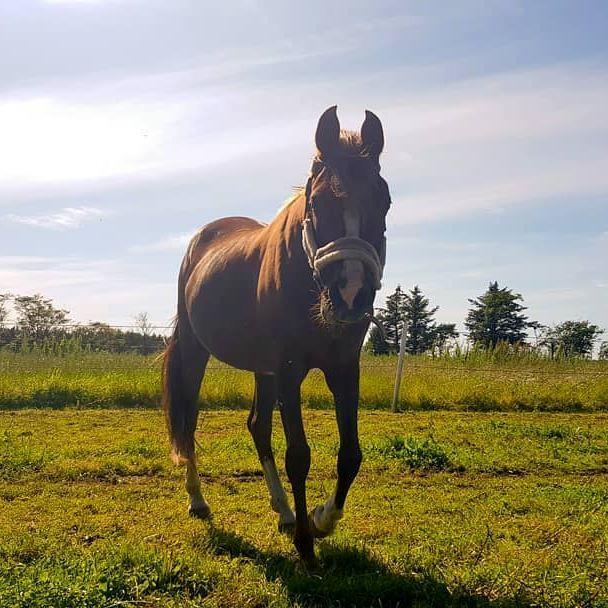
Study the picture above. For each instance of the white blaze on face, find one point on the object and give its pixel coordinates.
(353, 271)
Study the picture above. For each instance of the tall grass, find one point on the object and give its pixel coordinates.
(503, 379)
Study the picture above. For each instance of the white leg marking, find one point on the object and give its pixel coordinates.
(278, 498)
(193, 487)
(326, 516)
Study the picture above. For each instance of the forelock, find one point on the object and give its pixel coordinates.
(350, 148)
(351, 144)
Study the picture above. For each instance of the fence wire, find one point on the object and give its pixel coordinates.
(66, 340)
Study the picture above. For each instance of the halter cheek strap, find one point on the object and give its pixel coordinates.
(345, 248)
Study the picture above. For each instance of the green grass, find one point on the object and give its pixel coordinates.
(416, 454)
(480, 382)
(450, 509)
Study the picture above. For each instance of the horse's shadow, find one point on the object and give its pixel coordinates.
(349, 576)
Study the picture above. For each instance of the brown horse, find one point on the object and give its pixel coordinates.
(279, 300)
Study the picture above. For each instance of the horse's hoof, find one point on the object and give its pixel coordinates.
(313, 528)
(309, 560)
(200, 511)
(305, 546)
(310, 563)
(287, 527)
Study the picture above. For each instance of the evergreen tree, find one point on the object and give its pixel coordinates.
(391, 318)
(420, 322)
(496, 316)
(376, 343)
(412, 310)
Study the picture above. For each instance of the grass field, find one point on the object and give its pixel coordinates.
(450, 509)
(490, 488)
(480, 382)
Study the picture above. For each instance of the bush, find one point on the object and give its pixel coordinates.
(416, 454)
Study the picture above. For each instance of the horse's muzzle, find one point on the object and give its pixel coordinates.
(336, 310)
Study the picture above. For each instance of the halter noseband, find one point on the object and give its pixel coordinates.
(344, 248)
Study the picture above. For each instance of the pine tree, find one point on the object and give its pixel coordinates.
(412, 310)
(376, 343)
(420, 322)
(391, 318)
(495, 317)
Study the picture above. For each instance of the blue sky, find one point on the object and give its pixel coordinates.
(125, 125)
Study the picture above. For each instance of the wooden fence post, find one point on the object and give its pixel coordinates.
(399, 368)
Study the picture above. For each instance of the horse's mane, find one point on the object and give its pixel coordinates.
(297, 191)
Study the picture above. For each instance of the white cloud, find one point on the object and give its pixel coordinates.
(488, 142)
(51, 140)
(109, 290)
(575, 179)
(518, 105)
(65, 219)
(173, 242)
(25, 274)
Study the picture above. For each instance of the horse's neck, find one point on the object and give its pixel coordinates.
(285, 240)
(286, 227)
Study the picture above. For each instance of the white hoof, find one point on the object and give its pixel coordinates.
(324, 519)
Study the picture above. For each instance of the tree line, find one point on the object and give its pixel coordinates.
(39, 324)
(494, 318)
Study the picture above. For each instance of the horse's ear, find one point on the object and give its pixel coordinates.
(327, 136)
(372, 135)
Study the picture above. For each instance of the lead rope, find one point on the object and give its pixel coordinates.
(371, 317)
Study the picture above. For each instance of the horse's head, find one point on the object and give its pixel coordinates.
(346, 205)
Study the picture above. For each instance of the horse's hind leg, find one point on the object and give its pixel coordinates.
(259, 424)
(184, 366)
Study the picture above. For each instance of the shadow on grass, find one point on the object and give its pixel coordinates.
(349, 576)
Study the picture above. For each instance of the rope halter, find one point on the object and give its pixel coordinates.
(344, 248)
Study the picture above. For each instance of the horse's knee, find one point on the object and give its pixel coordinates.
(297, 462)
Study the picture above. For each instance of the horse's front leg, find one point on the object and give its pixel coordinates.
(297, 455)
(343, 381)
(260, 427)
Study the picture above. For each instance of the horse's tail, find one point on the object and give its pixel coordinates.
(179, 413)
